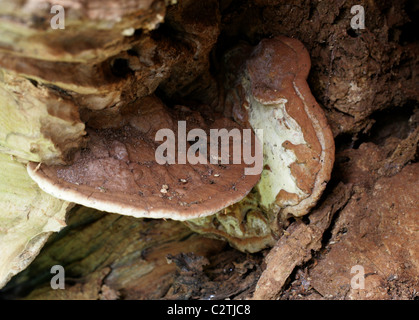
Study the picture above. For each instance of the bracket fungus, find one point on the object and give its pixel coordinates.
(266, 89)
(119, 172)
(271, 93)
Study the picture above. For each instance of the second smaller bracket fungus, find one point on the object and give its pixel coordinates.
(119, 170)
(298, 145)
(266, 88)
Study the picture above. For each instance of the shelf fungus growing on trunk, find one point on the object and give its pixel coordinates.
(121, 170)
(267, 95)
(271, 93)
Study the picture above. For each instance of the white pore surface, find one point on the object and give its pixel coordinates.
(278, 127)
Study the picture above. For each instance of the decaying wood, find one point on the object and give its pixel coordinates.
(136, 259)
(298, 243)
(53, 83)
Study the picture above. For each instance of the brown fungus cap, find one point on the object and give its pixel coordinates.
(117, 171)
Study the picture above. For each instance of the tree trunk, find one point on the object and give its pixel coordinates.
(56, 83)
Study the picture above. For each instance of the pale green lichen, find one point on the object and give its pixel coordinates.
(35, 124)
(27, 217)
